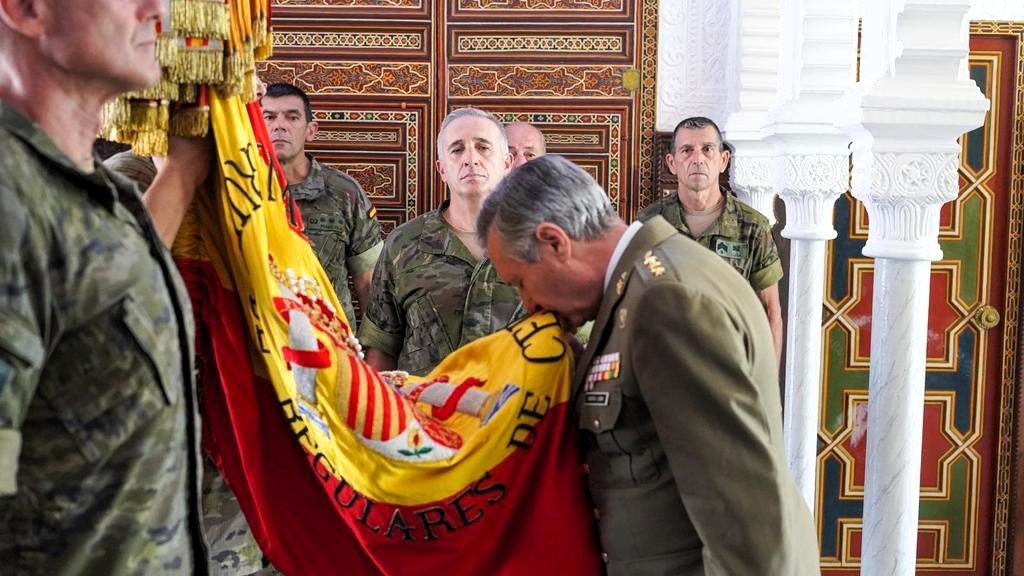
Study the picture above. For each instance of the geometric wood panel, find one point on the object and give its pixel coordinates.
(382, 74)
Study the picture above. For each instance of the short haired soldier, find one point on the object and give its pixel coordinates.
(339, 219)
(99, 466)
(706, 212)
(433, 289)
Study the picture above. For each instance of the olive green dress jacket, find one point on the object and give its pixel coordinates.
(678, 396)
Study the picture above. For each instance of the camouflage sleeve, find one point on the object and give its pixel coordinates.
(22, 308)
(364, 242)
(383, 325)
(766, 266)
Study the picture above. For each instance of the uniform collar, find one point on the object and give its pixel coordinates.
(313, 186)
(99, 184)
(727, 223)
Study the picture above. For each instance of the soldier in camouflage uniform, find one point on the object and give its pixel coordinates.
(710, 215)
(338, 217)
(99, 461)
(433, 290)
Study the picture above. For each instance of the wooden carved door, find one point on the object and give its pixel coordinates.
(382, 74)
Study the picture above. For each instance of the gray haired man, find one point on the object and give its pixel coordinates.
(676, 392)
(433, 289)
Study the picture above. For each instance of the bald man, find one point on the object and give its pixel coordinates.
(525, 142)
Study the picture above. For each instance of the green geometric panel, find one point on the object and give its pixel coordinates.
(967, 248)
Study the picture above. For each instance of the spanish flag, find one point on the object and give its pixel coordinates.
(471, 470)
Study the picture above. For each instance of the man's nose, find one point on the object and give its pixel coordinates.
(472, 157)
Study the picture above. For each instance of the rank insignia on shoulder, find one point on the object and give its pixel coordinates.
(372, 213)
(653, 264)
(620, 284)
(604, 368)
(595, 398)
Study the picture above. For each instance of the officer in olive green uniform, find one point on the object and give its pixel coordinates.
(741, 236)
(98, 428)
(434, 289)
(430, 296)
(676, 392)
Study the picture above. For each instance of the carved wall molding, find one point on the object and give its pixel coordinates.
(695, 48)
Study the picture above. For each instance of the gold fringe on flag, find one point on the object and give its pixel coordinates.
(198, 64)
(165, 89)
(149, 143)
(201, 44)
(200, 18)
(166, 46)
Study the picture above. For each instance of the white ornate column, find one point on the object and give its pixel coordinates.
(753, 162)
(813, 170)
(915, 101)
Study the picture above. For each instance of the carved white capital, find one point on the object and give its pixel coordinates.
(810, 185)
(753, 179)
(903, 194)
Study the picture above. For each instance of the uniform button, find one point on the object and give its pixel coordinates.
(586, 468)
(604, 556)
(597, 514)
(597, 424)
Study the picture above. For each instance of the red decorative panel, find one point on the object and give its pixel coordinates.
(296, 38)
(521, 44)
(343, 11)
(541, 10)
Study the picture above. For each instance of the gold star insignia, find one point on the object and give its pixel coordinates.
(654, 264)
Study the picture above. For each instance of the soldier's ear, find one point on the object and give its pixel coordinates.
(551, 239)
(670, 161)
(311, 129)
(725, 159)
(26, 17)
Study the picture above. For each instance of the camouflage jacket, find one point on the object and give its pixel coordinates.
(342, 226)
(99, 456)
(741, 236)
(231, 548)
(430, 296)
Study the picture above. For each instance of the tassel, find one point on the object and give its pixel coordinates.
(117, 112)
(148, 115)
(150, 143)
(201, 18)
(199, 64)
(193, 121)
(166, 47)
